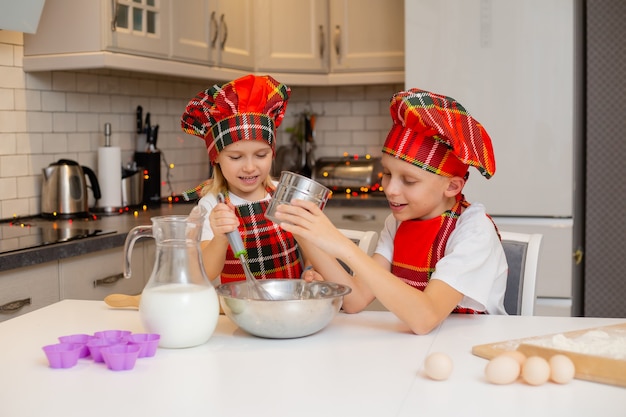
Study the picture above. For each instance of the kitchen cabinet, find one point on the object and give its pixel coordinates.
(295, 37)
(194, 35)
(119, 26)
(96, 275)
(366, 35)
(331, 35)
(215, 32)
(309, 42)
(27, 289)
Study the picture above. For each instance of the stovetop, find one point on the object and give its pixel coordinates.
(16, 236)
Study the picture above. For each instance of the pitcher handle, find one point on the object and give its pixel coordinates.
(134, 234)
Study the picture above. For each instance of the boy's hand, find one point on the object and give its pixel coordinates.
(304, 219)
(309, 274)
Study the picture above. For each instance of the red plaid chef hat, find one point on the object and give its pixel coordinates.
(248, 108)
(436, 133)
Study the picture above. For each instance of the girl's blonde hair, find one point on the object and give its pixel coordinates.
(218, 184)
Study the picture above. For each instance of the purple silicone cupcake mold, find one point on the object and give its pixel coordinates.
(118, 349)
(78, 339)
(120, 357)
(148, 342)
(62, 355)
(119, 335)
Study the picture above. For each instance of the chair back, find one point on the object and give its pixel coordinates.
(367, 242)
(522, 255)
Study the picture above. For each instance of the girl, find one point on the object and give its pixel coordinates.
(238, 122)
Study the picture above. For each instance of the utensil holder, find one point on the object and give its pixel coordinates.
(151, 163)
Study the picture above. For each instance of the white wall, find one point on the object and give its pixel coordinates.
(50, 115)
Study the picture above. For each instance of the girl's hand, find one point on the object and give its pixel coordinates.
(223, 219)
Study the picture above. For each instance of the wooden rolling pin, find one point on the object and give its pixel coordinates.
(128, 301)
(123, 300)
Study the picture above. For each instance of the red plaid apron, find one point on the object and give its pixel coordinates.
(272, 252)
(420, 244)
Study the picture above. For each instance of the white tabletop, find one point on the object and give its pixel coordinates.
(365, 364)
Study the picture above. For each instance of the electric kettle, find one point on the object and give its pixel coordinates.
(64, 189)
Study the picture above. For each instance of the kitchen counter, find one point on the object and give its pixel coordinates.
(120, 225)
(377, 200)
(365, 364)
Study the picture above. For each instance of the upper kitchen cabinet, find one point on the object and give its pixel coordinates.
(295, 37)
(366, 35)
(351, 40)
(77, 28)
(305, 42)
(215, 32)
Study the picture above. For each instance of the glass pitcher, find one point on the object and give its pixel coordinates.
(178, 302)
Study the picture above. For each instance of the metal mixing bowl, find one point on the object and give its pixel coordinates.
(297, 309)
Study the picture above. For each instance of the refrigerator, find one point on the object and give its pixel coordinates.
(515, 66)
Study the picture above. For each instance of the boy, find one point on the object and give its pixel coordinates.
(437, 254)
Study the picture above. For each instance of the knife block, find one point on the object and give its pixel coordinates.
(151, 163)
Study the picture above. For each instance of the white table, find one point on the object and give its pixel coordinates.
(365, 364)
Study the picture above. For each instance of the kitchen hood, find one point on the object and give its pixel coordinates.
(20, 16)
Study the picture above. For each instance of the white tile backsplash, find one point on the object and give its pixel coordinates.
(7, 99)
(8, 144)
(45, 116)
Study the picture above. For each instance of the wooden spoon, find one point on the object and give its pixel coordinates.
(123, 300)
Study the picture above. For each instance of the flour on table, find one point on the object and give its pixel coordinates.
(594, 342)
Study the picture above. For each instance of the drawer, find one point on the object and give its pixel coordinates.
(555, 307)
(26, 289)
(96, 275)
(358, 218)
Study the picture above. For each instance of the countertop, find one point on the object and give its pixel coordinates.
(365, 364)
(120, 224)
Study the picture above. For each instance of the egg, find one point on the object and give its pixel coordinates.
(519, 356)
(438, 366)
(536, 370)
(503, 369)
(562, 369)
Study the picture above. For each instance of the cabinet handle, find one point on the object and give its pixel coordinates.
(322, 42)
(578, 256)
(214, 28)
(338, 42)
(359, 217)
(114, 19)
(111, 280)
(14, 306)
(224, 33)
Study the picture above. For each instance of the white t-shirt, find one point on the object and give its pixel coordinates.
(474, 262)
(209, 201)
